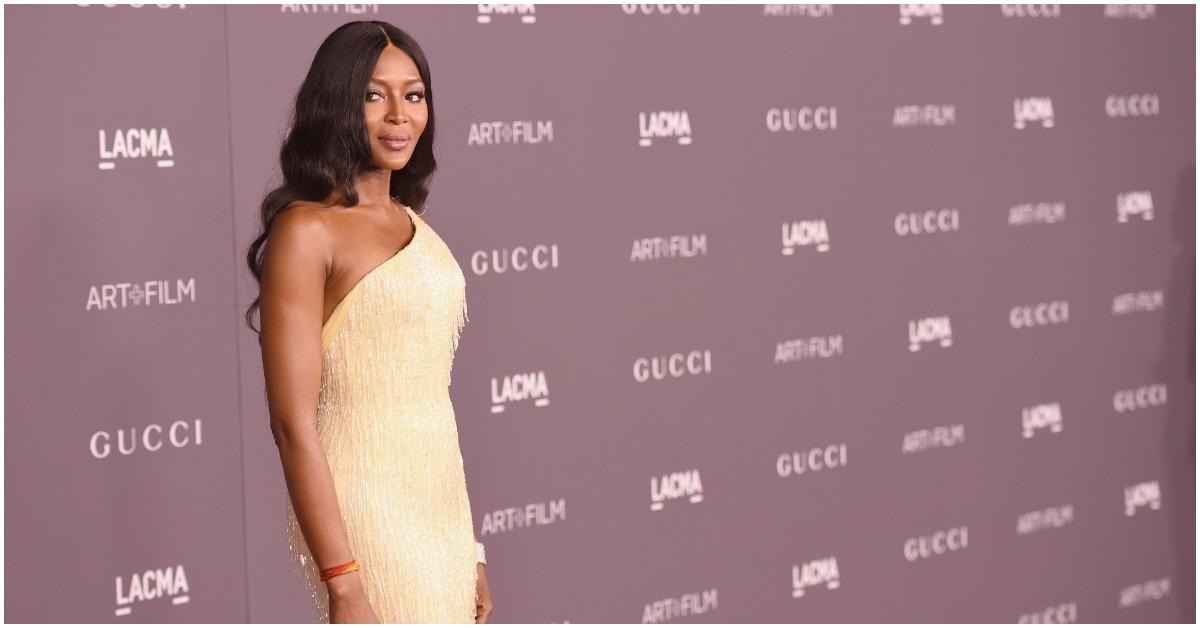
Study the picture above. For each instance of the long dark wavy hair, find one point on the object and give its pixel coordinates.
(327, 146)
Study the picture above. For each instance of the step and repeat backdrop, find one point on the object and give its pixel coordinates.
(778, 313)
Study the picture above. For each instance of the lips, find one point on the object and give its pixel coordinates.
(395, 141)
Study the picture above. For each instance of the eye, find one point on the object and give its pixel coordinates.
(372, 92)
(417, 93)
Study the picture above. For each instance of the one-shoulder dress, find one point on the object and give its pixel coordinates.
(387, 426)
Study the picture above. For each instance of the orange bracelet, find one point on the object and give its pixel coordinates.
(338, 570)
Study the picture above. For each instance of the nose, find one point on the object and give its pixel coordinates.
(397, 110)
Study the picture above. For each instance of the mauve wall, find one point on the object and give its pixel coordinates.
(783, 313)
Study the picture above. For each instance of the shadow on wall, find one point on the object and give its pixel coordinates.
(1180, 430)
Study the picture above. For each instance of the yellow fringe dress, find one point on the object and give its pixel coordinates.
(388, 429)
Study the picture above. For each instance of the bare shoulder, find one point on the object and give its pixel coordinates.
(300, 236)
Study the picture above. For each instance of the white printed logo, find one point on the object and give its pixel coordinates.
(1130, 204)
(1030, 10)
(797, 10)
(929, 330)
(150, 585)
(664, 125)
(515, 132)
(1045, 519)
(345, 7)
(1140, 398)
(661, 9)
(940, 542)
(179, 434)
(1033, 110)
(1135, 11)
(110, 296)
(686, 605)
(1144, 301)
(136, 144)
(1038, 314)
(822, 571)
(1131, 106)
(518, 259)
(818, 118)
(520, 387)
(912, 12)
(934, 438)
(810, 233)
(135, 6)
(1046, 415)
(696, 362)
(805, 349)
(648, 249)
(931, 221)
(528, 12)
(1065, 613)
(909, 116)
(676, 486)
(1148, 591)
(830, 456)
(529, 515)
(1141, 496)
(1036, 213)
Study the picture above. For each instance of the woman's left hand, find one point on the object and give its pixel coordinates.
(483, 596)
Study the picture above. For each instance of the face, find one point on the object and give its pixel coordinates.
(394, 108)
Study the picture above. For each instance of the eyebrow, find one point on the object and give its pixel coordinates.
(383, 82)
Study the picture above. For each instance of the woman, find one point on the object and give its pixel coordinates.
(361, 306)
